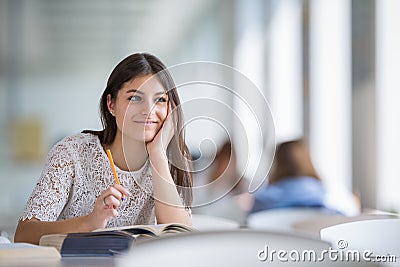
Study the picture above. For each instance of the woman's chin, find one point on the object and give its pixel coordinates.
(149, 138)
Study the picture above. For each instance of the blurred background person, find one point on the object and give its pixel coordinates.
(225, 185)
(294, 182)
(225, 174)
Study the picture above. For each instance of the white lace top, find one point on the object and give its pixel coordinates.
(76, 171)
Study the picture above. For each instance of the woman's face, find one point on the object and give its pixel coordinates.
(140, 108)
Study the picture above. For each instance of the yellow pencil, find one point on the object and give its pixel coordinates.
(110, 158)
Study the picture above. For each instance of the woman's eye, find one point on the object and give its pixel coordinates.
(135, 98)
(161, 99)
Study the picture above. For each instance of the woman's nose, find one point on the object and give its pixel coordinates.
(148, 107)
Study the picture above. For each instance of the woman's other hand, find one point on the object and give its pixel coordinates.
(157, 148)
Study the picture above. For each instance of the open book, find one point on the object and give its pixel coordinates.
(108, 241)
(151, 230)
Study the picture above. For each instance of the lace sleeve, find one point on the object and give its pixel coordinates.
(52, 191)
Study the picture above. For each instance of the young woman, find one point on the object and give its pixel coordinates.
(142, 126)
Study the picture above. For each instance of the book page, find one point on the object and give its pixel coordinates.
(176, 228)
(152, 230)
(133, 230)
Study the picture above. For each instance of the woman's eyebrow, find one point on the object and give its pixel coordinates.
(141, 93)
(135, 91)
(160, 93)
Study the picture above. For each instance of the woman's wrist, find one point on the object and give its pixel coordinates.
(159, 160)
(90, 222)
(87, 223)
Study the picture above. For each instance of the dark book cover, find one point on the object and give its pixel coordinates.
(96, 244)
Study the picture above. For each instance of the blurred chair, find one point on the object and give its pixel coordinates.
(313, 226)
(205, 223)
(228, 248)
(283, 219)
(382, 236)
(218, 248)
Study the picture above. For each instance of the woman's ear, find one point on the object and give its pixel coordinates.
(110, 104)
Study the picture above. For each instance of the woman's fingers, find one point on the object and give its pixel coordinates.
(122, 190)
(106, 206)
(111, 201)
(112, 196)
(168, 127)
(116, 190)
(163, 136)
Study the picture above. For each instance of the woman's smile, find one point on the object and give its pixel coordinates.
(146, 122)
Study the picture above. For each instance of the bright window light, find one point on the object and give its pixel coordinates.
(330, 89)
(388, 108)
(284, 69)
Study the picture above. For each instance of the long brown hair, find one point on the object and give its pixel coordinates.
(292, 159)
(128, 69)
